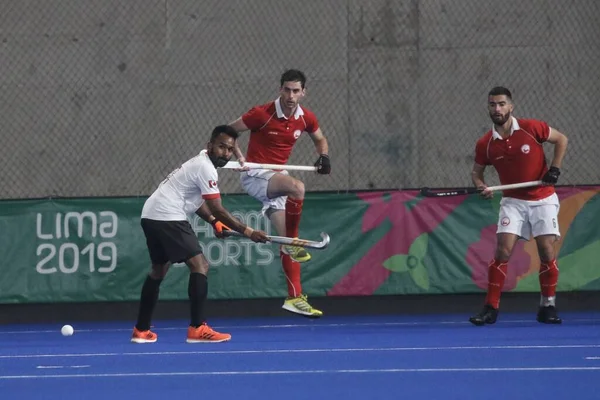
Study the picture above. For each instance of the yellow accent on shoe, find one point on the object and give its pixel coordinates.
(300, 305)
(298, 254)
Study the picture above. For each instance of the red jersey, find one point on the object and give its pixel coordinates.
(518, 158)
(272, 135)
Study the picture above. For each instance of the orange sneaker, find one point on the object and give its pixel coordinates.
(143, 336)
(205, 334)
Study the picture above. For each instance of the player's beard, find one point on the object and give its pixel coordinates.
(218, 162)
(499, 119)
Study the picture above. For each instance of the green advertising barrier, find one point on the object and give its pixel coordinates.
(85, 250)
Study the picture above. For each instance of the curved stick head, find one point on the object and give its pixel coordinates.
(325, 242)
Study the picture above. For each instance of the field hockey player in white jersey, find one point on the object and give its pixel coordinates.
(191, 188)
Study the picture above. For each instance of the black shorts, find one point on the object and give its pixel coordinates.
(173, 241)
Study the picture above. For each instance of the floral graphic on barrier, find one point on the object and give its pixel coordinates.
(408, 224)
(408, 227)
(412, 263)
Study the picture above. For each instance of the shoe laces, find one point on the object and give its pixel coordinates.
(145, 334)
(301, 303)
(203, 331)
(295, 251)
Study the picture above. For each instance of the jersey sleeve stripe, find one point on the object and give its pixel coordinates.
(211, 196)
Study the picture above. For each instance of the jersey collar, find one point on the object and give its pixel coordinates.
(299, 111)
(515, 127)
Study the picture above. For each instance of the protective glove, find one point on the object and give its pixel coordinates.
(551, 176)
(323, 165)
(219, 227)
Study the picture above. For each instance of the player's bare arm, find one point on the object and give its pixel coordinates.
(560, 141)
(204, 213)
(320, 142)
(323, 164)
(216, 208)
(239, 126)
(477, 176)
(560, 147)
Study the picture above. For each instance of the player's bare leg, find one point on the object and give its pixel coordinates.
(496, 277)
(548, 277)
(148, 300)
(199, 331)
(296, 301)
(285, 185)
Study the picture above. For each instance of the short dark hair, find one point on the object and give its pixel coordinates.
(226, 129)
(293, 75)
(499, 91)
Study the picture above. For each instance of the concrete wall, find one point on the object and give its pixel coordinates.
(105, 97)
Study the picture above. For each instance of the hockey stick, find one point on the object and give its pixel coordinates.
(291, 241)
(426, 192)
(236, 165)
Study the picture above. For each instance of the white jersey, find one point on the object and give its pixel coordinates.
(183, 191)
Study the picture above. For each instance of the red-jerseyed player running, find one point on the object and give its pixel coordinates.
(274, 129)
(514, 148)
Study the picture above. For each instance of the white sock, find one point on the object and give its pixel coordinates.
(548, 301)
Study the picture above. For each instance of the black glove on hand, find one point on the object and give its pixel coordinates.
(323, 165)
(551, 176)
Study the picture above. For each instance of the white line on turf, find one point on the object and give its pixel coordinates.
(292, 326)
(61, 366)
(303, 372)
(295, 351)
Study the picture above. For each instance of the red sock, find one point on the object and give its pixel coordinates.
(291, 269)
(293, 212)
(496, 277)
(548, 278)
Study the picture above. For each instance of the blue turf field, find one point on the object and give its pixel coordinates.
(402, 357)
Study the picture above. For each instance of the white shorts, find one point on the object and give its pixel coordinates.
(527, 219)
(256, 181)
